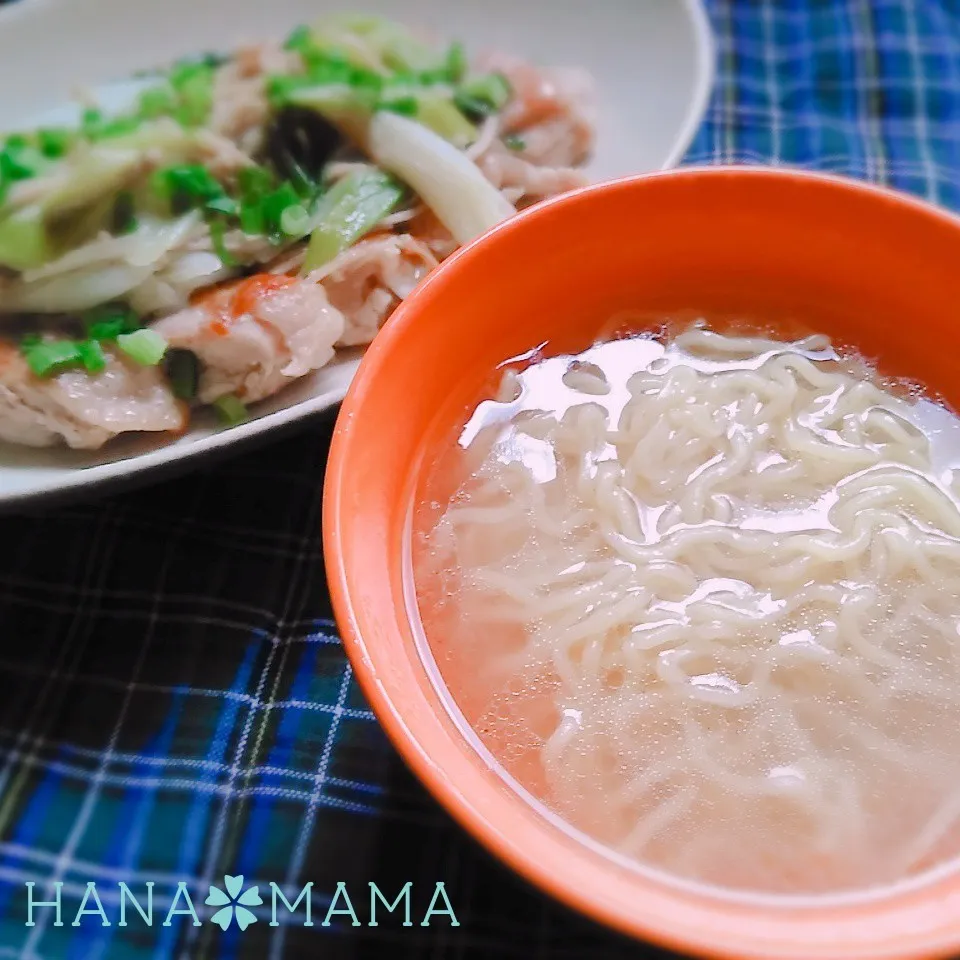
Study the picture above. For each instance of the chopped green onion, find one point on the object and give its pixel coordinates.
(91, 122)
(471, 106)
(185, 72)
(144, 346)
(119, 127)
(225, 205)
(54, 143)
(351, 209)
(187, 186)
(280, 88)
(255, 183)
(295, 221)
(273, 206)
(484, 95)
(456, 65)
(183, 369)
(218, 231)
(232, 409)
(405, 105)
(194, 86)
(19, 160)
(399, 49)
(298, 39)
(24, 239)
(48, 357)
(94, 126)
(109, 320)
(252, 220)
(92, 355)
(156, 102)
(441, 115)
(513, 142)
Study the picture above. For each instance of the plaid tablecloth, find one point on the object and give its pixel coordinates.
(175, 705)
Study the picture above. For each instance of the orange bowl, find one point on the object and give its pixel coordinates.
(871, 268)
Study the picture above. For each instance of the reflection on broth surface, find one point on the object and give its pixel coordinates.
(701, 594)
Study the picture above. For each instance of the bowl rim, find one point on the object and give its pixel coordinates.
(691, 931)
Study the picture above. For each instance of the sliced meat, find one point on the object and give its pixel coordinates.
(83, 410)
(553, 109)
(524, 179)
(426, 227)
(240, 107)
(255, 336)
(367, 281)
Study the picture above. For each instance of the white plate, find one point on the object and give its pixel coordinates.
(653, 60)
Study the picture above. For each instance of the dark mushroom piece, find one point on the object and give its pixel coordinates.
(300, 142)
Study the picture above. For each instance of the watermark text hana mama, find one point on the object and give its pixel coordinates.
(122, 906)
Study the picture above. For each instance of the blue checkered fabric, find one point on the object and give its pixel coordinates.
(175, 704)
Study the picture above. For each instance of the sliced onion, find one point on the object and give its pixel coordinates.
(155, 296)
(99, 271)
(449, 183)
(80, 290)
(195, 269)
(146, 245)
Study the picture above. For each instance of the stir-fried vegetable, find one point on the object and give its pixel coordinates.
(187, 187)
(23, 239)
(87, 215)
(441, 115)
(356, 66)
(92, 355)
(144, 346)
(49, 357)
(232, 410)
(113, 322)
(353, 68)
(458, 193)
(110, 321)
(482, 96)
(351, 209)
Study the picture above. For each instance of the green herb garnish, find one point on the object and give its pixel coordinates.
(218, 231)
(295, 221)
(49, 357)
(144, 346)
(92, 355)
(109, 320)
(187, 186)
(482, 96)
(157, 102)
(193, 84)
(273, 206)
(407, 105)
(231, 409)
(299, 39)
(19, 160)
(456, 63)
(54, 144)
